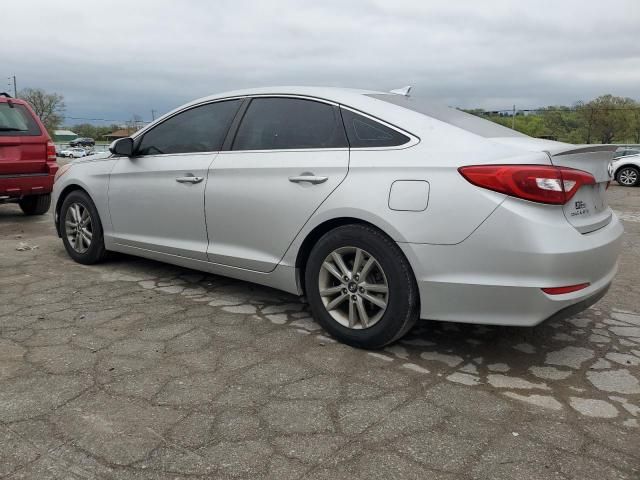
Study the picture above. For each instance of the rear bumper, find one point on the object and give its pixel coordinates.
(20, 185)
(496, 275)
(16, 185)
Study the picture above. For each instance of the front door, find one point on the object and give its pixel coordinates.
(288, 155)
(156, 197)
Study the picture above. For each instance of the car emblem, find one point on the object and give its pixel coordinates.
(610, 169)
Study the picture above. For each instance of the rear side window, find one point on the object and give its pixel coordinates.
(199, 129)
(363, 132)
(289, 123)
(16, 121)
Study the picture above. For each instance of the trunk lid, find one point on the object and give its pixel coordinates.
(588, 210)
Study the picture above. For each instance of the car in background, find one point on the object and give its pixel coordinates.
(379, 207)
(27, 157)
(82, 142)
(74, 152)
(626, 169)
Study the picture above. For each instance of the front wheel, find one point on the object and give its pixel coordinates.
(81, 229)
(35, 204)
(628, 176)
(360, 287)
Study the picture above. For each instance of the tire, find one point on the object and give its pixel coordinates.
(628, 176)
(35, 204)
(94, 252)
(391, 270)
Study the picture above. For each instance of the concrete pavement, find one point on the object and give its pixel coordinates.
(137, 369)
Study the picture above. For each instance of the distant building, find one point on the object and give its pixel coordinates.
(64, 135)
(122, 133)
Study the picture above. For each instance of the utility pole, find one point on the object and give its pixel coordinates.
(15, 87)
(513, 119)
(153, 114)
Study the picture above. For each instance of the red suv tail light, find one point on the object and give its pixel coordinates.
(51, 151)
(537, 183)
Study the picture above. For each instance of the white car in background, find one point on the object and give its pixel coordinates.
(74, 153)
(626, 168)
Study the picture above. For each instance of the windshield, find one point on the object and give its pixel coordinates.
(452, 116)
(16, 120)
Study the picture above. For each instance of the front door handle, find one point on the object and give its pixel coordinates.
(308, 178)
(190, 179)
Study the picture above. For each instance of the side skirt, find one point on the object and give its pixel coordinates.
(282, 278)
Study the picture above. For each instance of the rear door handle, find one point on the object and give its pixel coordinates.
(190, 179)
(308, 178)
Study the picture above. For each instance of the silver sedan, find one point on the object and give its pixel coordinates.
(380, 207)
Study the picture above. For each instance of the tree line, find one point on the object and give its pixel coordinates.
(606, 119)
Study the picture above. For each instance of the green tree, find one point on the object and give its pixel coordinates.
(562, 124)
(48, 106)
(606, 118)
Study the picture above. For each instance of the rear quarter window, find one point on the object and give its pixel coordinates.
(364, 132)
(16, 121)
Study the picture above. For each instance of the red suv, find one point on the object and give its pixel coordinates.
(27, 157)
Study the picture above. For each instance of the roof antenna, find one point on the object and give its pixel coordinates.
(402, 91)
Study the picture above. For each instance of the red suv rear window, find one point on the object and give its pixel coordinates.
(16, 121)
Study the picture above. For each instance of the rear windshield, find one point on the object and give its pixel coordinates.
(16, 121)
(452, 116)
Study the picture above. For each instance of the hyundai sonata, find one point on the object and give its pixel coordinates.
(380, 207)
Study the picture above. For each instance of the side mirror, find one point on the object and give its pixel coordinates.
(122, 146)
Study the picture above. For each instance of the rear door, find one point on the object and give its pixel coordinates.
(288, 155)
(588, 211)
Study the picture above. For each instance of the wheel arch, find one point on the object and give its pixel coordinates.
(319, 230)
(632, 165)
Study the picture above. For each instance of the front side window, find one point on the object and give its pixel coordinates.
(16, 121)
(289, 123)
(363, 132)
(199, 129)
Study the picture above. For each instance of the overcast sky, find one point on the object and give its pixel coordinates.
(114, 59)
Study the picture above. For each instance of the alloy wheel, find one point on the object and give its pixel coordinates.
(78, 227)
(628, 176)
(353, 287)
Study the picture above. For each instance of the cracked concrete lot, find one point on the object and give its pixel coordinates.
(136, 369)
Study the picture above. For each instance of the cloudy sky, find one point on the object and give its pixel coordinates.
(114, 59)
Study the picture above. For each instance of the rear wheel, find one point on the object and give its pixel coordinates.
(628, 176)
(360, 287)
(35, 204)
(81, 229)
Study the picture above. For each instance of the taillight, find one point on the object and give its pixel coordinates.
(537, 183)
(51, 151)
